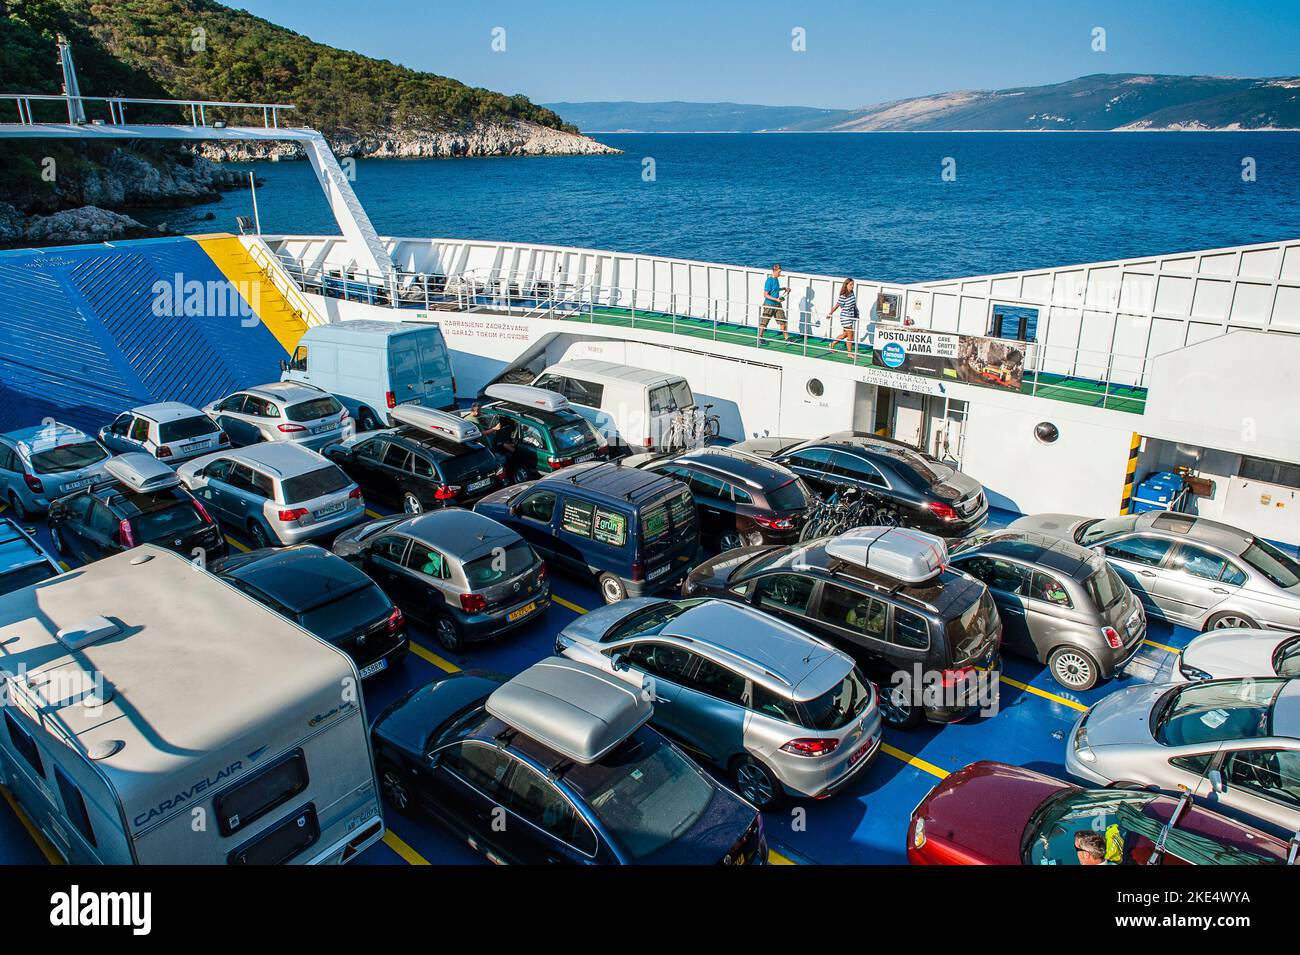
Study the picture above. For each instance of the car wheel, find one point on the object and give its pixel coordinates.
(730, 541)
(1073, 668)
(366, 420)
(520, 475)
(611, 588)
(1222, 621)
(257, 534)
(448, 633)
(397, 793)
(898, 709)
(56, 539)
(411, 504)
(755, 782)
(19, 508)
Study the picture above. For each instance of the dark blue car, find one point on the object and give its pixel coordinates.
(634, 531)
(526, 781)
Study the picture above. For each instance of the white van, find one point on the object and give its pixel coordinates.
(155, 714)
(631, 407)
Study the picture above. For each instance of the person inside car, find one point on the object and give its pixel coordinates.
(1091, 849)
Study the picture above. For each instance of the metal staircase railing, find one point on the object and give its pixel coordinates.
(260, 254)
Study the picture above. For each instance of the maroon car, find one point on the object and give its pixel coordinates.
(1037, 817)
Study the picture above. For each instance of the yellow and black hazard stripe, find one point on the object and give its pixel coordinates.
(1130, 474)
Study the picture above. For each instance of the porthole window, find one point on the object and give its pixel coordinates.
(815, 387)
(1046, 432)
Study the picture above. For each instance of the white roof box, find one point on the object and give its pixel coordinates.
(529, 396)
(901, 553)
(442, 423)
(141, 472)
(571, 708)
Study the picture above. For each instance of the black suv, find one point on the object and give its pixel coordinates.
(141, 502)
(326, 596)
(419, 470)
(741, 499)
(905, 486)
(942, 629)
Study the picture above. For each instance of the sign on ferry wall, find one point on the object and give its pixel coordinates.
(992, 362)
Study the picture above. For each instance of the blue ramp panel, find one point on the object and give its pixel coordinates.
(89, 331)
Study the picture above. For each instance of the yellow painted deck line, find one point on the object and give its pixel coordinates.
(370, 512)
(429, 656)
(47, 848)
(255, 287)
(568, 605)
(235, 544)
(1163, 646)
(64, 565)
(398, 845)
(914, 761)
(1073, 704)
(775, 858)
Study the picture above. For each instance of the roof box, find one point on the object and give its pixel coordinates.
(900, 553)
(571, 708)
(141, 472)
(442, 423)
(528, 396)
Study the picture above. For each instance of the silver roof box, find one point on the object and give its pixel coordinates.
(900, 553)
(141, 472)
(571, 708)
(442, 423)
(528, 396)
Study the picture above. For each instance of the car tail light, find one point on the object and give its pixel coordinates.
(124, 535)
(942, 511)
(812, 746)
(292, 514)
(164, 452)
(395, 620)
(918, 833)
(203, 512)
(951, 678)
(500, 472)
(560, 462)
(390, 399)
(774, 523)
(223, 438)
(637, 570)
(648, 443)
(473, 603)
(344, 416)
(541, 571)
(291, 428)
(33, 484)
(445, 492)
(1112, 637)
(354, 494)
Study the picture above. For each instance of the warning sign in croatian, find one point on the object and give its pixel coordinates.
(992, 362)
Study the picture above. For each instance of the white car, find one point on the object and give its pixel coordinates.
(1240, 652)
(169, 430)
(287, 411)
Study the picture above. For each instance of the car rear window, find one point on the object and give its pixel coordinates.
(164, 519)
(570, 436)
(473, 464)
(314, 484)
(352, 611)
(1272, 563)
(25, 577)
(969, 633)
(838, 707)
(70, 457)
(1105, 587)
(501, 564)
(1095, 532)
(788, 497)
(313, 408)
(186, 428)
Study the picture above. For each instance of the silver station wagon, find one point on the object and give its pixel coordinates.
(276, 493)
(44, 462)
(282, 411)
(1189, 570)
(779, 710)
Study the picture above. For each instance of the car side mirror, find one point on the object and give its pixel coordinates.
(284, 365)
(1217, 783)
(619, 662)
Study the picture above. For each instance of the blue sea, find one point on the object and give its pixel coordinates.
(870, 205)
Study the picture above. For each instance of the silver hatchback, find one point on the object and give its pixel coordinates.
(276, 493)
(44, 462)
(779, 710)
(287, 411)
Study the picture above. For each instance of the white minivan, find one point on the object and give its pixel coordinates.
(631, 407)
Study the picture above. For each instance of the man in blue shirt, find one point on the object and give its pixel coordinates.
(772, 306)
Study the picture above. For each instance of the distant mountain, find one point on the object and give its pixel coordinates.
(1103, 101)
(676, 117)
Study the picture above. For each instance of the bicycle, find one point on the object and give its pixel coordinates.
(691, 428)
(844, 509)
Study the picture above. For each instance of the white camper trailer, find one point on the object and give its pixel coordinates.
(155, 714)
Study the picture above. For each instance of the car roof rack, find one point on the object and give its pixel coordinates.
(900, 553)
(540, 399)
(444, 424)
(141, 472)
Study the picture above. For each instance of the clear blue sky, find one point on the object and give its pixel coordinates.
(857, 52)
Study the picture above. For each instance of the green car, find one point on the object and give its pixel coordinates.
(536, 431)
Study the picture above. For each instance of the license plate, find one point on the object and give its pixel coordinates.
(331, 509)
(861, 753)
(478, 485)
(583, 457)
(659, 573)
(77, 485)
(377, 667)
(322, 428)
(521, 612)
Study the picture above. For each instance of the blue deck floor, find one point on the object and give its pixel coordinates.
(864, 824)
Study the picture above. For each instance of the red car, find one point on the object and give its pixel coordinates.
(995, 814)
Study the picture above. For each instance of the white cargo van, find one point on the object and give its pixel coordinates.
(631, 407)
(155, 714)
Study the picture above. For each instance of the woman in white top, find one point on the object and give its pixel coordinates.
(848, 309)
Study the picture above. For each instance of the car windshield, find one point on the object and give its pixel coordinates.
(1094, 532)
(571, 436)
(314, 484)
(186, 428)
(165, 517)
(1286, 658)
(1217, 712)
(839, 706)
(650, 620)
(1049, 837)
(26, 576)
(790, 496)
(1272, 563)
(652, 796)
(1105, 587)
(500, 564)
(70, 457)
(313, 408)
(352, 611)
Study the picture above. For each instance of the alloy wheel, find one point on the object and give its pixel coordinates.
(896, 706)
(1072, 669)
(1233, 621)
(754, 784)
(411, 504)
(730, 541)
(395, 790)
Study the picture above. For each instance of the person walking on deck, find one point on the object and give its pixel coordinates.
(847, 306)
(772, 306)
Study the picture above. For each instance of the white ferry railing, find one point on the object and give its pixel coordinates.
(116, 108)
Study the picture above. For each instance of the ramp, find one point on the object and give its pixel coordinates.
(283, 321)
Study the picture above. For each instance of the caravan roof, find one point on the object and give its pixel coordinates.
(159, 687)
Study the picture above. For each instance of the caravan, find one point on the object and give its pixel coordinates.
(155, 714)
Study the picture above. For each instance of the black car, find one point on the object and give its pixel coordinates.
(906, 487)
(524, 780)
(23, 562)
(418, 469)
(326, 596)
(141, 501)
(903, 634)
(741, 499)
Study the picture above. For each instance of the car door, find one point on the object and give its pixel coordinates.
(214, 492)
(363, 463)
(467, 783)
(244, 498)
(137, 437)
(661, 667)
(851, 471)
(11, 471)
(711, 710)
(1196, 581)
(1009, 584)
(385, 564)
(1264, 782)
(553, 831)
(812, 464)
(116, 436)
(536, 524)
(98, 537)
(712, 503)
(230, 418)
(390, 471)
(76, 513)
(421, 581)
(860, 623)
(1138, 559)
